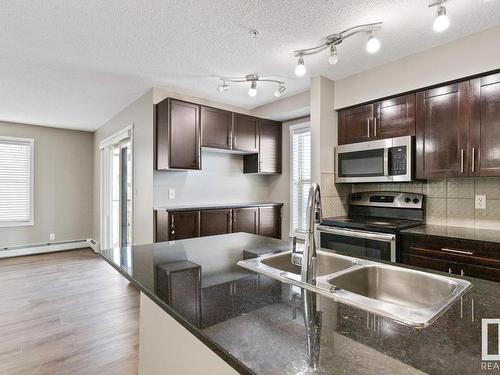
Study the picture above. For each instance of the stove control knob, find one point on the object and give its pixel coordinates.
(416, 200)
(407, 200)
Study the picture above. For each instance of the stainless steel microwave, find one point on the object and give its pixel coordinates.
(384, 160)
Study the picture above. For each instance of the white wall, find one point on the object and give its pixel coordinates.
(62, 187)
(221, 181)
(140, 115)
(287, 108)
(467, 56)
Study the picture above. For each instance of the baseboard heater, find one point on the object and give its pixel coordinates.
(47, 247)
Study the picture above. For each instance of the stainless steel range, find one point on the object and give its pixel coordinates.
(371, 229)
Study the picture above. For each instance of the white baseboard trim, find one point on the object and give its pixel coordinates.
(48, 247)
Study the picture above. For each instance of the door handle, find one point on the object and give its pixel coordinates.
(368, 127)
(374, 126)
(462, 160)
(473, 167)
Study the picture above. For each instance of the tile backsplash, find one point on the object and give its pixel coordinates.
(333, 196)
(451, 202)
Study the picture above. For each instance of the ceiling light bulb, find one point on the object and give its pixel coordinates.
(442, 22)
(300, 69)
(252, 91)
(334, 56)
(373, 44)
(279, 90)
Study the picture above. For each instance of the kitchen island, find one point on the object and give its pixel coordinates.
(247, 323)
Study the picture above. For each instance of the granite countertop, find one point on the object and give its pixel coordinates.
(456, 232)
(215, 206)
(255, 330)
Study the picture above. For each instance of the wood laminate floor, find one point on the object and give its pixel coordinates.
(66, 313)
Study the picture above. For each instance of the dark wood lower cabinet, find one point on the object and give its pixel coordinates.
(456, 256)
(216, 222)
(270, 221)
(246, 220)
(177, 225)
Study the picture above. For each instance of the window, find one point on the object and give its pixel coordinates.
(16, 181)
(300, 155)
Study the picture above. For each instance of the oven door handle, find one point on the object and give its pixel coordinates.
(385, 237)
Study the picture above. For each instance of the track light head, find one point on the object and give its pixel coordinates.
(223, 87)
(252, 91)
(279, 90)
(442, 22)
(300, 69)
(373, 44)
(334, 55)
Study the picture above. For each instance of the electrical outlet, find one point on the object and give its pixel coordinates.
(480, 202)
(171, 193)
(52, 236)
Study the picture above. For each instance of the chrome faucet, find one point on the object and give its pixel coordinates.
(306, 259)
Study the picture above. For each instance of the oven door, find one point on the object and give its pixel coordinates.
(357, 243)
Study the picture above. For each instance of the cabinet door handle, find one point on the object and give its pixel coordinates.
(462, 160)
(465, 252)
(374, 126)
(473, 168)
(368, 127)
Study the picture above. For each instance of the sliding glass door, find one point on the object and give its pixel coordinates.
(116, 192)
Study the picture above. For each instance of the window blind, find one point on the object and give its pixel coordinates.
(16, 181)
(301, 176)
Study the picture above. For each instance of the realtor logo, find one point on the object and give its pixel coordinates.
(485, 356)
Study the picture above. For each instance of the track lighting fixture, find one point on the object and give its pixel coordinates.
(333, 40)
(442, 22)
(253, 79)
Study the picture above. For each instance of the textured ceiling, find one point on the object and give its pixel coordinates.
(74, 64)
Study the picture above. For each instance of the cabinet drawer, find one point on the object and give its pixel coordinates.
(477, 252)
(431, 263)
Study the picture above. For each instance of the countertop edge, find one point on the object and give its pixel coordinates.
(440, 231)
(217, 349)
(217, 206)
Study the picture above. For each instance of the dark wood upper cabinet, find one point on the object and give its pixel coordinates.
(269, 146)
(484, 145)
(394, 117)
(246, 220)
(388, 118)
(183, 224)
(270, 221)
(268, 159)
(216, 222)
(245, 133)
(356, 124)
(178, 135)
(216, 128)
(442, 118)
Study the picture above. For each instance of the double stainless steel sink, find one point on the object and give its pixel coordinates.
(408, 296)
